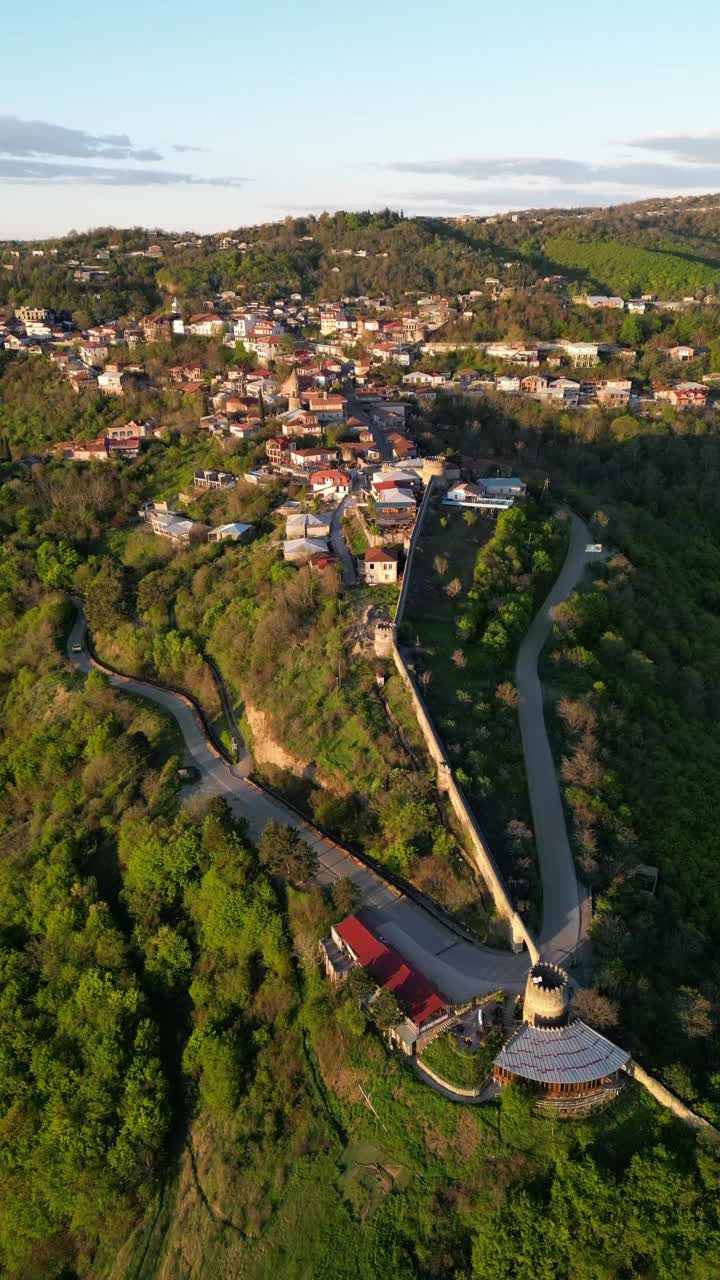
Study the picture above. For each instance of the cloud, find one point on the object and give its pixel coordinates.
(38, 138)
(185, 146)
(37, 171)
(557, 168)
(699, 148)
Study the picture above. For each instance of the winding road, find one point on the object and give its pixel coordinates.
(459, 968)
(563, 926)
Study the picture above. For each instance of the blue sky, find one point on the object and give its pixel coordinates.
(209, 116)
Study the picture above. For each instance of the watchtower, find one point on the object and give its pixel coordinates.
(547, 996)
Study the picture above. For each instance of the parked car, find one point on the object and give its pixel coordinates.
(188, 773)
(76, 648)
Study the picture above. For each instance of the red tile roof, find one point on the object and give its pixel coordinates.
(376, 555)
(390, 971)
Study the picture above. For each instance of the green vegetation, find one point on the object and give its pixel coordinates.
(630, 270)
(475, 587)
(467, 1070)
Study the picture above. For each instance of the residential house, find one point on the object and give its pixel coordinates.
(534, 384)
(168, 524)
(503, 486)
(684, 395)
(157, 328)
(214, 480)
(353, 943)
(307, 525)
(279, 449)
(474, 495)
(330, 483)
(583, 354)
(113, 381)
(402, 448)
(379, 566)
(600, 301)
(682, 354)
(328, 408)
(312, 457)
(300, 422)
(234, 532)
(614, 393)
(508, 385)
(301, 550)
(419, 379)
(126, 447)
(205, 325)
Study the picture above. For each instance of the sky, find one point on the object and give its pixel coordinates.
(207, 116)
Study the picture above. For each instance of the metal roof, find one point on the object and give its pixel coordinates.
(574, 1054)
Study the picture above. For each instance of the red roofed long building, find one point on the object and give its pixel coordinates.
(353, 943)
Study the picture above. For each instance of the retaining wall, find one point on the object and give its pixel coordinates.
(668, 1099)
(425, 1070)
(478, 847)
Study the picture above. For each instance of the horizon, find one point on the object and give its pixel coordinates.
(422, 120)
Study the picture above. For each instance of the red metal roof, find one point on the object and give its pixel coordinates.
(390, 971)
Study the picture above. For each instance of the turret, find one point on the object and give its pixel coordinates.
(547, 996)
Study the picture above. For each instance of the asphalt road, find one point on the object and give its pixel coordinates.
(460, 969)
(562, 930)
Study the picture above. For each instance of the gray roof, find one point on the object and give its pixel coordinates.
(574, 1054)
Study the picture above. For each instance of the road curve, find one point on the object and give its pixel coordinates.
(460, 969)
(562, 922)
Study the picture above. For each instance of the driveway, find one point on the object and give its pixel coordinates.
(562, 928)
(340, 547)
(459, 968)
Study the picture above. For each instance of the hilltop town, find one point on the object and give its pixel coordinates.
(358, 664)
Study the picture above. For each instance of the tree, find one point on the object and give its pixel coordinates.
(345, 895)
(361, 983)
(459, 658)
(453, 588)
(595, 1008)
(286, 854)
(440, 564)
(105, 603)
(385, 1010)
(56, 564)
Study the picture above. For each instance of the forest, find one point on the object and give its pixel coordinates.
(183, 1094)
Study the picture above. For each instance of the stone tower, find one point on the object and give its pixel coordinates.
(383, 638)
(292, 390)
(547, 996)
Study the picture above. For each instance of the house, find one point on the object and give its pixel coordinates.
(325, 406)
(235, 532)
(473, 495)
(205, 325)
(127, 447)
(684, 395)
(514, 353)
(300, 550)
(353, 943)
(187, 373)
(157, 328)
(133, 430)
(534, 384)
(90, 451)
(177, 529)
(599, 301)
(508, 385)
(378, 565)
(614, 393)
(214, 480)
(419, 379)
(93, 353)
(402, 448)
(312, 457)
(565, 390)
(330, 483)
(395, 501)
(278, 450)
(245, 430)
(503, 486)
(112, 382)
(300, 422)
(682, 354)
(307, 525)
(583, 354)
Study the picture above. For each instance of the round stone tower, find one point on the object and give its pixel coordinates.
(547, 996)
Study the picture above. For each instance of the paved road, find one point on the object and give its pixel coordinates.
(458, 968)
(340, 547)
(562, 930)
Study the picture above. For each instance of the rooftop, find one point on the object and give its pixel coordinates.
(574, 1054)
(390, 971)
